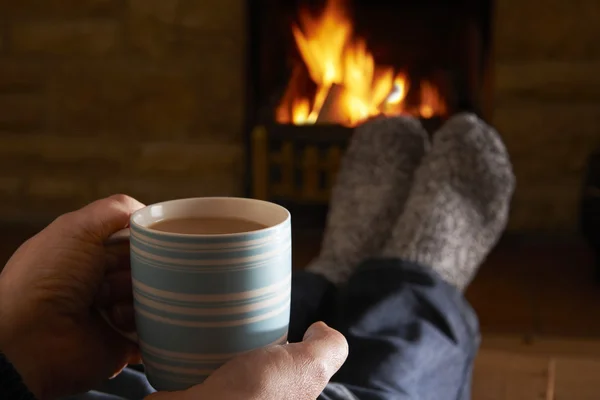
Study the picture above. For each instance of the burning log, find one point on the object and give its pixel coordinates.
(350, 86)
(284, 111)
(332, 110)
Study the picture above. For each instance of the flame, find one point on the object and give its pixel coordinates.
(300, 110)
(430, 101)
(350, 86)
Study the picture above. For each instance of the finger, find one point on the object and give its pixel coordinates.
(321, 354)
(115, 351)
(123, 317)
(117, 256)
(116, 288)
(298, 371)
(101, 218)
(135, 358)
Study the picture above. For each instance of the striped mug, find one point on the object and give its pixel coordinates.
(202, 299)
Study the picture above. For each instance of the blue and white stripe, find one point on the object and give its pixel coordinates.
(201, 300)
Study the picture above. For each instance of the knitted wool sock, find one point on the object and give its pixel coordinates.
(459, 203)
(369, 194)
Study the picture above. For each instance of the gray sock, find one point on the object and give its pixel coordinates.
(459, 203)
(369, 195)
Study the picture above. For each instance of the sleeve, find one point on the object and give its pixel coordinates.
(11, 384)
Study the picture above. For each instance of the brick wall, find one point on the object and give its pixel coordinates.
(146, 97)
(102, 96)
(547, 104)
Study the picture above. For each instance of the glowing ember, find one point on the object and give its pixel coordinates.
(350, 87)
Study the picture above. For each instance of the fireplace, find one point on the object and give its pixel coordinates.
(318, 68)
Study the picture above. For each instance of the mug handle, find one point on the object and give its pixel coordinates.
(118, 237)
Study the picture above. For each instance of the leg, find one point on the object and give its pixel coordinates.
(312, 298)
(411, 335)
(458, 205)
(372, 186)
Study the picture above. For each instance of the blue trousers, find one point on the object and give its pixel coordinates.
(411, 335)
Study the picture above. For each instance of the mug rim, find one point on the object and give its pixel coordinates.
(207, 235)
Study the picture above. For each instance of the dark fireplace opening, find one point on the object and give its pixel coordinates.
(318, 68)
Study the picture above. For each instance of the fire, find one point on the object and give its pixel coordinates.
(350, 87)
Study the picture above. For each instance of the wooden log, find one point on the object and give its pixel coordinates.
(332, 111)
(283, 113)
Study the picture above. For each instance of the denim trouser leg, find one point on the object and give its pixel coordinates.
(411, 335)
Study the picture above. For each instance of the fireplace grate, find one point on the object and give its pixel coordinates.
(299, 163)
(295, 163)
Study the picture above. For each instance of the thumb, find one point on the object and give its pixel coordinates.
(297, 371)
(315, 360)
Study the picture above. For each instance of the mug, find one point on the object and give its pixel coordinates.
(202, 299)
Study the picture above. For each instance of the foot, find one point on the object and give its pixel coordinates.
(372, 186)
(459, 203)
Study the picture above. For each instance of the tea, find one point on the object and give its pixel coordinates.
(207, 225)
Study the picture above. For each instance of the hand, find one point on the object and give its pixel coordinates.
(297, 371)
(50, 330)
